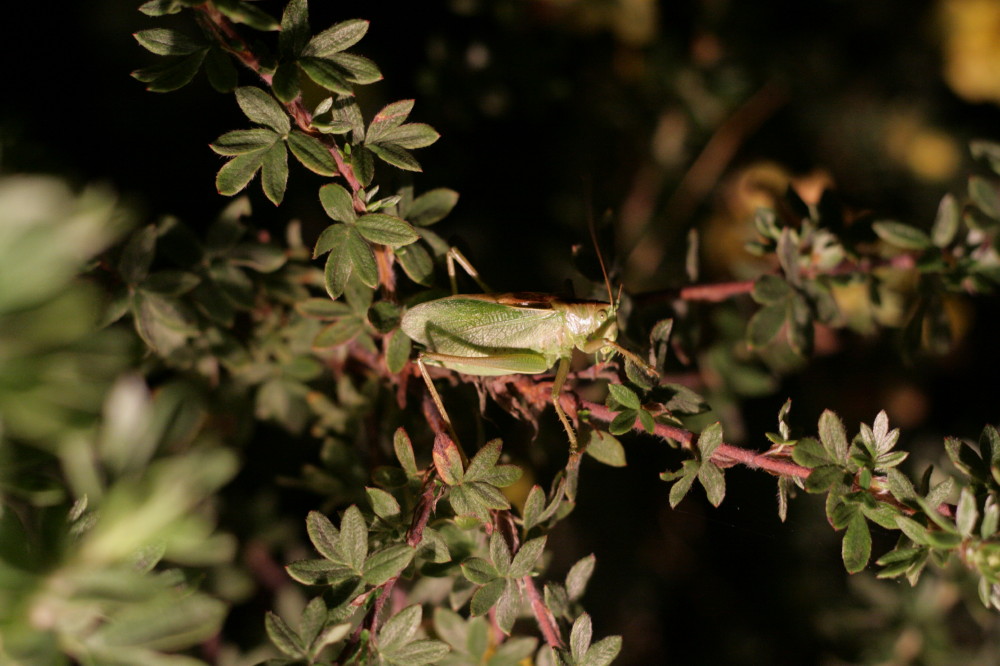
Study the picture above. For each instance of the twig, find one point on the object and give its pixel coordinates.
(546, 621)
(724, 456)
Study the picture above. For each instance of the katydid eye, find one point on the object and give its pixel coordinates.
(602, 315)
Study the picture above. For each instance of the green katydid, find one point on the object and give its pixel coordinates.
(517, 333)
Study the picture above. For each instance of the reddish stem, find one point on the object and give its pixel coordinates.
(546, 621)
(724, 456)
(715, 293)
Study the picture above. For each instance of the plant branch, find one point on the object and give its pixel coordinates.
(726, 455)
(546, 621)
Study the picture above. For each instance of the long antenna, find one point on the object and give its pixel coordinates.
(597, 247)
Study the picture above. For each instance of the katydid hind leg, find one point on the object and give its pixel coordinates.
(561, 372)
(436, 397)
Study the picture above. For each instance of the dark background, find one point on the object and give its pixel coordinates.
(547, 109)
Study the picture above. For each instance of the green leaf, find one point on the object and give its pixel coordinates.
(902, 235)
(605, 448)
(394, 155)
(364, 165)
(683, 482)
(404, 452)
(800, 324)
(169, 625)
(312, 621)
(985, 195)
(900, 486)
(283, 637)
(386, 230)
(765, 324)
(400, 628)
(483, 461)
(239, 142)
(274, 172)
(359, 69)
(168, 76)
(526, 557)
(624, 396)
(623, 422)
(331, 239)
(295, 31)
(384, 564)
(411, 136)
(389, 118)
(603, 652)
(488, 495)
(913, 530)
(323, 534)
(451, 626)
(709, 440)
(338, 265)
(137, 256)
(579, 575)
(397, 351)
(857, 545)
(508, 606)
(500, 553)
(714, 482)
(320, 572)
(966, 513)
(513, 652)
(286, 84)
(362, 258)
(171, 283)
(824, 477)
(770, 289)
(167, 42)
(431, 206)
(337, 202)
(262, 109)
(353, 543)
(833, 436)
(788, 254)
(988, 150)
(809, 453)
(991, 519)
(326, 74)
(312, 153)
(417, 653)
(416, 263)
(946, 222)
(533, 507)
(161, 7)
(479, 571)
(580, 636)
(237, 172)
(337, 38)
(487, 596)
(221, 73)
(241, 12)
(383, 504)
